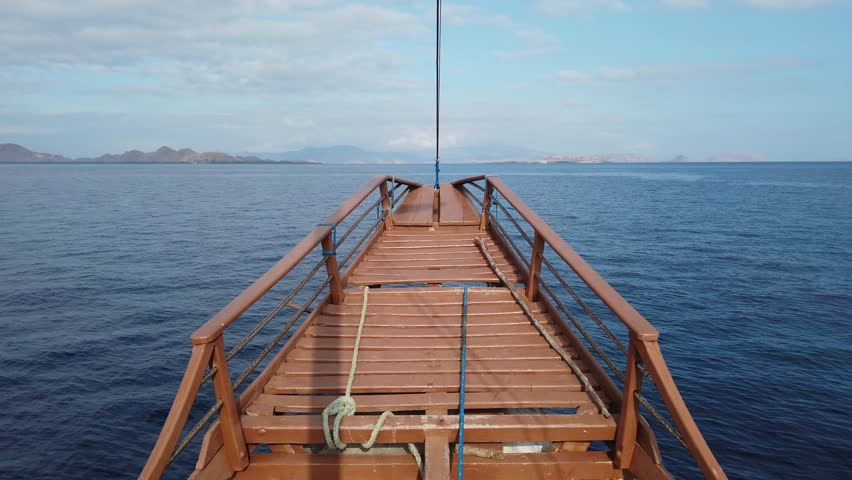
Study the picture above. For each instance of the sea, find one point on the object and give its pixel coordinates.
(106, 270)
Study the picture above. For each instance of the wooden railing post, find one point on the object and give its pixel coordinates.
(386, 206)
(486, 206)
(229, 415)
(172, 428)
(535, 266)
(628, 423)
(333, 270)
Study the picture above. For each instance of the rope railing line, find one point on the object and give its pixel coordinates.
(208, 416)
(660, 419)
(550, 340)
(642, 399)
(298, 314)
(582, 330)
(570, 290)
(287, 301)
(471, 197)
(512, 243)
(478, 186)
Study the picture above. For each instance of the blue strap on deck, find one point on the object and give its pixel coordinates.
(437, 176)
(333, 238)
(461, 385)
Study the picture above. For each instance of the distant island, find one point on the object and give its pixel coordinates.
(13, 153)
(348, 154)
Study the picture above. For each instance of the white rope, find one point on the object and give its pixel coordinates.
(345, 406)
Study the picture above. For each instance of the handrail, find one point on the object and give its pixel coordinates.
(217, 324)
(462, 181)
(209, 348)
(642, 350)
(635, 322)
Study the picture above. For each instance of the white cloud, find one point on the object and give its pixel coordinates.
(697, 71)
(421, 139)
(243, 45)
(792, 4)
(573, 76)
(569, 7)
(686, 4)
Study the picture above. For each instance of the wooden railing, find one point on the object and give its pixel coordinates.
(634, 445)
(209, 358)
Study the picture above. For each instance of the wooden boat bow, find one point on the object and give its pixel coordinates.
(534, 404)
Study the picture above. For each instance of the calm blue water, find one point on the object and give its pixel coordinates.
(106, 270)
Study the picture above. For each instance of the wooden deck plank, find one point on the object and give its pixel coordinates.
(302, 429)
(416, 208)
(433, 382)
(418, 277)
(312, 467)
(430, 296)
(584, 465)
(420, 264)
(456, 208)
(421, 401)
(416, 354)
(474, 309)
(473, 343)
(508, 367)
(392, 333)
(473, 322)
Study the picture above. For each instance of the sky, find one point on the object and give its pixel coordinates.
(708, 79)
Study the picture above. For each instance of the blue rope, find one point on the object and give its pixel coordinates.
(461, 386)
(437, 175)
(333, 238)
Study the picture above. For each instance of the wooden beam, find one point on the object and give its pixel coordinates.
(422, 401)
(302, 429)
(229, 419)
(437, 461)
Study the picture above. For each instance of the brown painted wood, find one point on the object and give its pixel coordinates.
(333, 467)
(332, 270)
(173, 426)
(535, 267)
(410, 321)
(436, 263)
(507, 367)
(644, 467)
(431, 296)
(659, 371)
(421, 401)
(433, 382)
(426, 277)
(417, 354)
(437, 458)
(456, 208)
(625, 440)
(434, 331)
(216, 469)
(475, 343)
(559, 465)
(416, 208)
(302, 429)
(386, 206)
(211, 443)
(431, 309)
(229, 419)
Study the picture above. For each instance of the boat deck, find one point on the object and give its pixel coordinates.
(518, 389)
(537, 404)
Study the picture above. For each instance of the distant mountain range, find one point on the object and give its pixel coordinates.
(12, 153)
(348, 154)
(351, 154)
